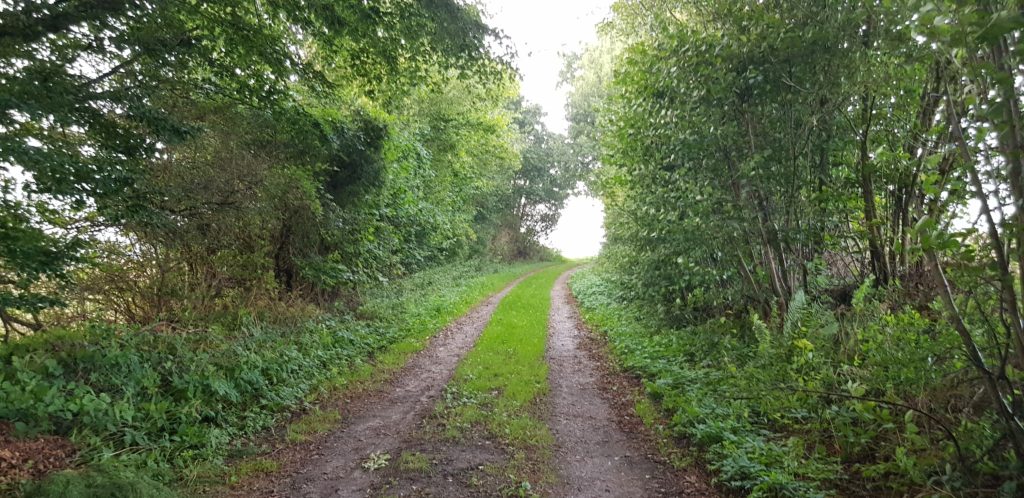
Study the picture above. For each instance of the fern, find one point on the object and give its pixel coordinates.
(798, 306)
(806, 314)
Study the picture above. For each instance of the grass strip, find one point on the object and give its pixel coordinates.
(497, 386)
(422, 306)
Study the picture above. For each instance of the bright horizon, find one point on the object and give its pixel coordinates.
(540, 40)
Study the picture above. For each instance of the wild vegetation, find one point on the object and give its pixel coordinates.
(815, 235)
(206, 209)
(163, 161)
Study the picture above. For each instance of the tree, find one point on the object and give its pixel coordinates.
(545, 177)
(102, 100)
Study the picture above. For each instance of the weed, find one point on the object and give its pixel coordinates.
(376, 461)
(724, 385)
(651, 417)
(255, 467)
(523, 490)
(100, 481)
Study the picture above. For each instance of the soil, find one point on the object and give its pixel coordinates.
(31, 458)
(375, 421)
(622, 389)
(457, 469)
(602, 448)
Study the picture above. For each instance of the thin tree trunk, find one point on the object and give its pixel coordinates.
(1013, 147)
(745, 201)
(1007, 292)
(756, 289)
(1015, 429)
(879, 262)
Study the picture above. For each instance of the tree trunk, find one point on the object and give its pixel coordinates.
(1013, 147)
(1008, 293)
(876, 252)
(1015, 429)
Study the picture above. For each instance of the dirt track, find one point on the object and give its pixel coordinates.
(602, 450)
(375, 421)
(596, 456)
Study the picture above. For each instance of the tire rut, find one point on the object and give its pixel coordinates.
(383, 419)
(594, 456)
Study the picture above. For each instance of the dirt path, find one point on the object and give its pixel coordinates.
(596, 456)
(379, 421)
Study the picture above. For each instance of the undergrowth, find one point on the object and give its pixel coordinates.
(161, 404)
(866, 402)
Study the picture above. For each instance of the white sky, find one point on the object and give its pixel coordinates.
(542, 30)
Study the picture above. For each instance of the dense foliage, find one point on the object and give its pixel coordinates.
(172, 161)
(822, 201)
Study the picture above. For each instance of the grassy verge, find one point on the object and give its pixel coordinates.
(159, 407)
(682, 389)
(497, 386)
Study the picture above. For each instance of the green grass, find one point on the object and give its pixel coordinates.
(253, 467)
(414, 461)
(427, 302)
(172, 406)
(317, 421)
(497, 386)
